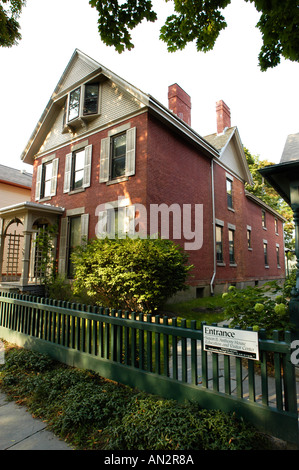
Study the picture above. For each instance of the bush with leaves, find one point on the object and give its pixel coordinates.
(130, 273)
(262, 307)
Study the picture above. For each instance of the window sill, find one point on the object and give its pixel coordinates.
(231, 209)
(233, 265)
(249, 249)
(267, 266)
(264, 228)
(44, 199)
(117, 180)
(75, 191)
(219, 263)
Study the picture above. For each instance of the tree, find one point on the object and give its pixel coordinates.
(10, 11)
(267, 194)
(202, 21)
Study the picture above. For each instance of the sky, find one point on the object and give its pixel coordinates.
(263, 104)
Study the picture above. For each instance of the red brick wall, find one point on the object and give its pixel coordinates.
(250, 264)
(96, 194)
(178, 173)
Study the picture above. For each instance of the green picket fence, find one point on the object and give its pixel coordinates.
(157, 355)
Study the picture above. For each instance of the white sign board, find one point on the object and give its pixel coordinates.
(238, 343)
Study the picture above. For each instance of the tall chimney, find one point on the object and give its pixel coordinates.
(179, 102)
(223, 116)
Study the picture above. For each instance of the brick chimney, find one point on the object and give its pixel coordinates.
(179, 102)
(223, 116)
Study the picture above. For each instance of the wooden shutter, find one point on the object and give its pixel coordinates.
(67, 173)
(38, 182)
(131, 151)
(129, 225)
(104, 160)
(84, 227)
(62, 246)
(54, 177)
(102, 225)
(87, 166)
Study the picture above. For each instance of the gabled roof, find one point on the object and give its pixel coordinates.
(231, 152)
(80, 69)
(15, 177)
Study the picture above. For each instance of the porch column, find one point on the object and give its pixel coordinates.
(26, 259)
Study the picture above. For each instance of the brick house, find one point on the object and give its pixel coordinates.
(107, 157)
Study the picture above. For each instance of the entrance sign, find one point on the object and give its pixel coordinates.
(238, 343)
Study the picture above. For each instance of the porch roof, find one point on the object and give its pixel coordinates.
(26, 206)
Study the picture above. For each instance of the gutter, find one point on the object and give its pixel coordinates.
(214, 228)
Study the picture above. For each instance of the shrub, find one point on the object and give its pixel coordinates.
(154, 424)
(91, 412)
(130, 273)
(257, 307)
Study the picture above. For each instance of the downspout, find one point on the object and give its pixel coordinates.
(214, 228)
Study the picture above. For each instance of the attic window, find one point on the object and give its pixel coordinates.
(82, 103)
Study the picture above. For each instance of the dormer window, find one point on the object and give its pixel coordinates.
(82, 103)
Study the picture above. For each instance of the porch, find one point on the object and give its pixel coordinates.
(19, 255)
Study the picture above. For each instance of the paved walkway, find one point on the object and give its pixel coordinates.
(20, 431)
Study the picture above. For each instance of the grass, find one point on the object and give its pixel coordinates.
(208, 309)
(92, 413)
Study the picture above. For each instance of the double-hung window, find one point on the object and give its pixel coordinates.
(265, 243)
(46, 178)
(117, 160)
(231, 245)
(229, 193)
(77, 169)
(264, 224)
(219, 244)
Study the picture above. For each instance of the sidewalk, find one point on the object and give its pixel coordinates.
(20, 431)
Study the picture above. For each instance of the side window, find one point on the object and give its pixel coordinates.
(231, 244)
(266, 253)
(229, 193)
(219, 244)
(78, 169)
(118, 156)
(46, 179)
(264, 225)
(249, 240)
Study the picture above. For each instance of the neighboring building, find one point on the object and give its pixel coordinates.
(15, 187)
(105, 156)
